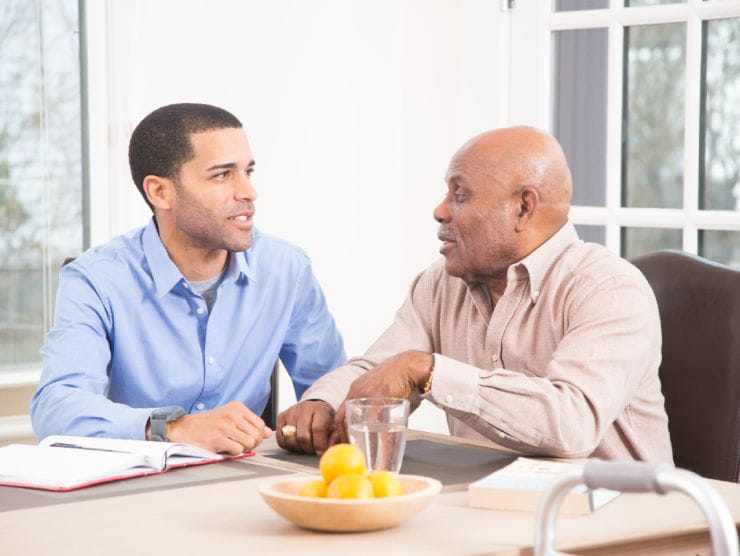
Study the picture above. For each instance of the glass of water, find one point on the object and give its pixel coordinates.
(378, 427)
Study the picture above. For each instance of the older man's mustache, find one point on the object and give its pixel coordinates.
(445, 234)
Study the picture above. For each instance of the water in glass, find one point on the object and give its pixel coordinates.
(382, 443)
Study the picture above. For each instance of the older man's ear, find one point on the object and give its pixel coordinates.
(528, 203)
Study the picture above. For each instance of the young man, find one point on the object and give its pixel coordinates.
(523, 334)
(170, 332)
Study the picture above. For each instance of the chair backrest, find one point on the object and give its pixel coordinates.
(699, 303)
(269, 415)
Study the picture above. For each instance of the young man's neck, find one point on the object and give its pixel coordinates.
(196, 263)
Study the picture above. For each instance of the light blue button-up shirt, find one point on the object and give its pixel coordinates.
(131, 336)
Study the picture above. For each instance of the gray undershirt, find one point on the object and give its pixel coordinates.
(208, 288)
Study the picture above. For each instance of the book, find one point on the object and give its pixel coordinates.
(62, 463)
(521, 486)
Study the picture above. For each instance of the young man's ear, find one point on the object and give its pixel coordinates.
(529, 200)
(158, 191)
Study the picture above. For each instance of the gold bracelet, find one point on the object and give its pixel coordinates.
(428, 384)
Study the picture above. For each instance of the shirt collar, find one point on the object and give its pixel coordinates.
(539, 262)
(165, 273)
(239, 265)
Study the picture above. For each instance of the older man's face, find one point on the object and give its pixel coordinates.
(477, 219)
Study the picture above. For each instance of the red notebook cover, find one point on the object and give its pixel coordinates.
(135, 472)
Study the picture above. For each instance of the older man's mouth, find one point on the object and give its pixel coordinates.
(448, 241)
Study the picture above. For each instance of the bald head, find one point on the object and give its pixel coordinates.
(522, 156)
(508, 192)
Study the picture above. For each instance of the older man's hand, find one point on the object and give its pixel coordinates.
(305, 427)
(397, 377)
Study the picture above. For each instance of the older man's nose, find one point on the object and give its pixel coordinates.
(442, 212)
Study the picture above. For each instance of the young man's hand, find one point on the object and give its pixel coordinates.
(231, 429)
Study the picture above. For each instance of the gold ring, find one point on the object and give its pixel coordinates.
(288, 431)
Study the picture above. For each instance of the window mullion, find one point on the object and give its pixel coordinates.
(692, 129)
(47, 295)
(614, 135)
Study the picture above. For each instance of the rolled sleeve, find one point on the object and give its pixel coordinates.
(409, 331)
(455, 385)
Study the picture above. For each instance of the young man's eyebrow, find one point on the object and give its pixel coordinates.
(227, 165)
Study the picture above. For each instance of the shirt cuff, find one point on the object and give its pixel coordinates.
(455, 384)
(329, 395)
(131, 424)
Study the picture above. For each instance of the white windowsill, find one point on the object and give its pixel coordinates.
(15, 427)
(20, 377)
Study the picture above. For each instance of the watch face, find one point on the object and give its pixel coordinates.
(172, 412)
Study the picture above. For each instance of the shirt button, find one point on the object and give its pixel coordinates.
(201, 310)
(449, 398)
(536, 293)
(199, 406)
(211, 360)
(494, 357)
(502, 435)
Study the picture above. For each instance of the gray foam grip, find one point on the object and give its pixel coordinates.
(622, 476)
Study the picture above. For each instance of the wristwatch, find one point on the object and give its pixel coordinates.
(158, 421)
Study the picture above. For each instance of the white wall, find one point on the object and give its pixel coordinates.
(353, 109)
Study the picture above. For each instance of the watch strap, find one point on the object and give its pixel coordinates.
(158, 422)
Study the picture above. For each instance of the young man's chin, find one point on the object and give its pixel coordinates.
(242, 244)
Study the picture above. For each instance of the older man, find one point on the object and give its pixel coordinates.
(523, 334)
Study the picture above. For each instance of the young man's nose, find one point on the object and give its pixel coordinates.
(245, 189)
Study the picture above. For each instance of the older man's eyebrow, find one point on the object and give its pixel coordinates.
(227, 165)
(455, 179)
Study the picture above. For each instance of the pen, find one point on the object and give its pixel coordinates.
(66, 445)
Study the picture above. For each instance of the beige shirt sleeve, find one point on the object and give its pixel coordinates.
(594, 372)
(410, 330)
(608, 351)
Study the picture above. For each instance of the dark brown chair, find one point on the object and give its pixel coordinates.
(699, 303)
(269, 415)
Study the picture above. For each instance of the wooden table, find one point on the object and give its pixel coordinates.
(230, 517)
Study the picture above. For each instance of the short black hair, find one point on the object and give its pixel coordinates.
(160, 144)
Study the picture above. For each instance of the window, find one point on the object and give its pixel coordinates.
(644, 96)
(41, 170)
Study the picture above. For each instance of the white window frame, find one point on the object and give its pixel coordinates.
(17, 386)
(530, 91)
(97, 39)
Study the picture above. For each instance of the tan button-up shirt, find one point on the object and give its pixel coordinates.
(565, 364)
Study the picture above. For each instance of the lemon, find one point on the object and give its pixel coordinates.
(385, 484)
(350, 485)
(341, 459)
(315, 488)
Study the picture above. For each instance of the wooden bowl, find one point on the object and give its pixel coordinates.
(345, 515)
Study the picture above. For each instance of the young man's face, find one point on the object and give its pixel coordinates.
(214, 196)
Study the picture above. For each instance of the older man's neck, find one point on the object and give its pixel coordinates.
(496, 289)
